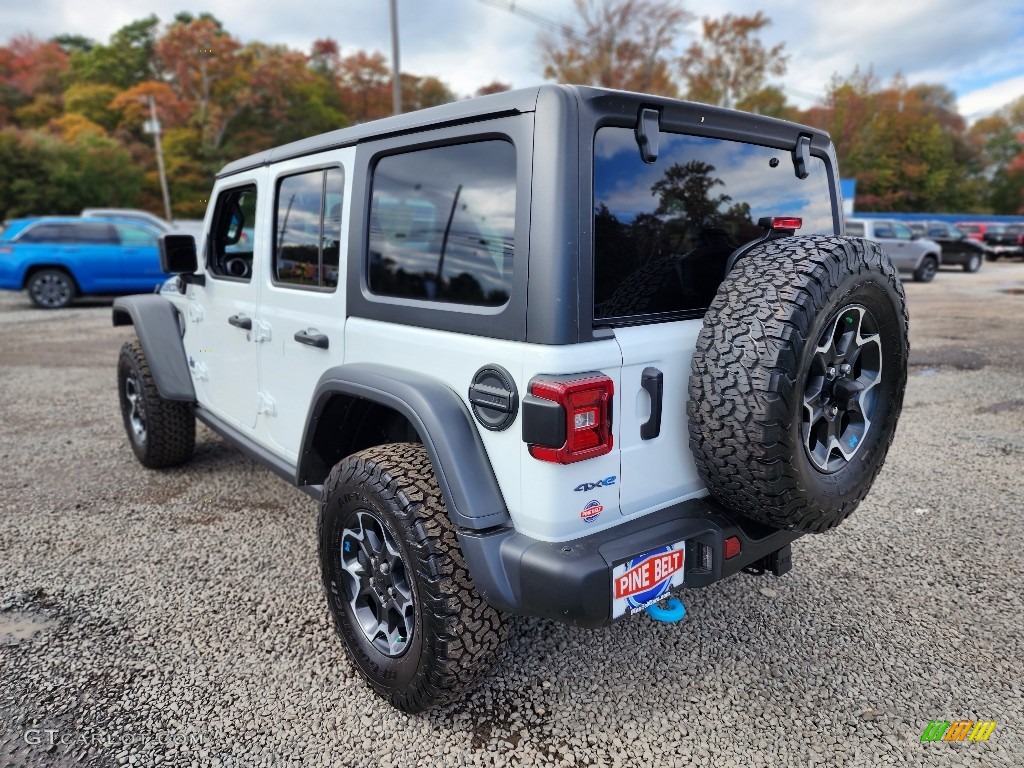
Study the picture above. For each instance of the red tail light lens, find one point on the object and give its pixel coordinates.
(587, 404)
(732, 547)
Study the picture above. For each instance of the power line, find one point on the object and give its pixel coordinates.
(536, 18)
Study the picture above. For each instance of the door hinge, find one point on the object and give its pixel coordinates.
(199, 371)
(266, 405)
(195, 313)
(260, 331)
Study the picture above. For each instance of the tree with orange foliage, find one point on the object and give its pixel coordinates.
(623, 44)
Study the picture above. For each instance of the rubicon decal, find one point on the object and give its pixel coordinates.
(591, 511)
(646, 578)
(604, 483)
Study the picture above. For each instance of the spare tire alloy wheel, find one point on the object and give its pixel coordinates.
(797, 381)
(839, 395)
(397, 585)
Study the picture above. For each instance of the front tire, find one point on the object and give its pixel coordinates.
(973, 263)
(162, 432)
(51, 288)
(797, 380)
(397, 585)
(925, 272)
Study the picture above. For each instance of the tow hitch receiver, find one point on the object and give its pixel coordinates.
(778, 562)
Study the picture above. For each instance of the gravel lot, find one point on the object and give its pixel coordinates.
(176, 617)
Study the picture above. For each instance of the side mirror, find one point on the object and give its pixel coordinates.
(178, 257)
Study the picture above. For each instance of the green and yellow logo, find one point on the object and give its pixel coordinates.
(958, 730)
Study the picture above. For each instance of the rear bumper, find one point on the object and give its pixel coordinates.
(571, 581)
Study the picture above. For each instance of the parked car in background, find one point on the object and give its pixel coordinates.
(56, 258)
(1005, 241)
(192, 227)
(957, 248)
(976, 230)
(909, 253)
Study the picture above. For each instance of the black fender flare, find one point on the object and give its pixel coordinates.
(159, 330)
(444, 424)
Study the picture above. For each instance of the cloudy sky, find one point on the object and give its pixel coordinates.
(975, 48)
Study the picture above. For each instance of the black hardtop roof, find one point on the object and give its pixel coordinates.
(603, 100)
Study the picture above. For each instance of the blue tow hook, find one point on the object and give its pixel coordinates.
(673, 612)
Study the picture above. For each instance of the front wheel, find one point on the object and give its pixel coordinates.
(973, 263)
(396, 582)
(927, 269)
(162, 432)
(51, 288)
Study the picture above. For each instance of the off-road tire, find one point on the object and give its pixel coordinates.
(926, 270)
(51, 288)
(168, 435)
(749, 378)
(456, 636)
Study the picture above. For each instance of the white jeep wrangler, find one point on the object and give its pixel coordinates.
(554, 352)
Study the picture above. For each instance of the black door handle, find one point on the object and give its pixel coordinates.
(653, 382)
(317, 340)
(241, 321)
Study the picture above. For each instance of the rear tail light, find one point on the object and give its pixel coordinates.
(577, 412)
(732, 547)
(787, 222)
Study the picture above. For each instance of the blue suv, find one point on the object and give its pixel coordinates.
(57, 258)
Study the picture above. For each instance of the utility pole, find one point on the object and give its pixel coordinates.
(396, 82)
(154, 127)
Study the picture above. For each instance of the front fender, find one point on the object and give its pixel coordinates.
(156, 324)
(442, 421)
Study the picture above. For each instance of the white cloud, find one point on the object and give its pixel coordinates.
(990, 98)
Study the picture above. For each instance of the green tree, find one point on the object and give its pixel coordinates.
(729, 66)
(125, 61)
(623, 44)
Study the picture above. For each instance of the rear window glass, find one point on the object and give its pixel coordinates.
(47, 233)
(442, 224)
(854, 229)
(663, 231)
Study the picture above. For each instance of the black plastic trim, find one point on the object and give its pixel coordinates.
(159, 330)
(441, 419)
(652, 381)
(570, 581)
(543, 422)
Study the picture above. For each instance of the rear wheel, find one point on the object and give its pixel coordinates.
(396, 582)
(162, 432)
(926, 270)
(797, 380)
(973, 263)
(51, 288)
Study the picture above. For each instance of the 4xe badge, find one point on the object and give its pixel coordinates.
(591, 511)
(605, 483)
(646, 578)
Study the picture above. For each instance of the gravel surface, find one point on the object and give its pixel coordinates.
(176, 618)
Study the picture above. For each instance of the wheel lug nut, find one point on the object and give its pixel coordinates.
(845, 369)
(834, 410)
(384, 568)
(831, 373)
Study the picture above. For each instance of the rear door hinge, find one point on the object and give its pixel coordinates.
(198, 370)
(260, 331)
(195, 313)
(266, 405)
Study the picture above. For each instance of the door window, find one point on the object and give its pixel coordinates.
(307, 229)
(230, 249)
(135, 237)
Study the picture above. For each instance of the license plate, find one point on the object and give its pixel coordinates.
(646, 578)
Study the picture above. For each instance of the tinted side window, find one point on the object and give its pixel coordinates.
(854, 229)
(442, 224)
(135, 236)
(307, 228)
(663, 231)
(46, 233)
(95, 234)
(884, 230)
(230, 248)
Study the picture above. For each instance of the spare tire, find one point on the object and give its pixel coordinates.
(797, 381)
